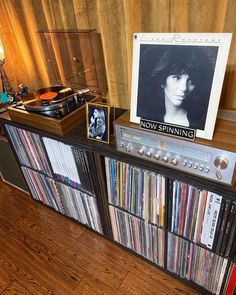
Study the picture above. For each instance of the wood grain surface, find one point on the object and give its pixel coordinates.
(43, 252)
(116, 21)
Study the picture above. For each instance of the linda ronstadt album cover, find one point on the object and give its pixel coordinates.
(177, 78)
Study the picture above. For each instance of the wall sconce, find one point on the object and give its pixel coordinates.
(6, 86)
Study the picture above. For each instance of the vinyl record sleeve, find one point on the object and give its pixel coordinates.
(199, 58)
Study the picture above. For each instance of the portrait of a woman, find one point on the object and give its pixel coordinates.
(175, 83)
(97, 124)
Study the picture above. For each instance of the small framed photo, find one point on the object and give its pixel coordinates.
(177, 78)
(98, 122)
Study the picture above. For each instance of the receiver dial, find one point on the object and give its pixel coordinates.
(129, 147)
(221, 162)
(141, 150)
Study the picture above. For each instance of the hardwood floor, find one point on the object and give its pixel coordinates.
(43, 252)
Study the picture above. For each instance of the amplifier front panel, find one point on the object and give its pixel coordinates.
(203, 161)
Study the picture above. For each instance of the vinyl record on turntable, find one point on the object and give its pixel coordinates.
(46, 99)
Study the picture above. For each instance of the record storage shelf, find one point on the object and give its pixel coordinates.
(99, 151)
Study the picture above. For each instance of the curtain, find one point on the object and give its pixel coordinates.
(116, 21)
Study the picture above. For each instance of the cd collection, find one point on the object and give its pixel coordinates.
(204, 217)
(138, 191)
(195, 263)
(138, 235)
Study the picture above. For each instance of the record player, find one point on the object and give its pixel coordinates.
(54, 109)
(58, 109)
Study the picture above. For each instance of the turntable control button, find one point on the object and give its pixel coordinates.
(75, 98)
(71, 103)
(82, 99)
(58, 114)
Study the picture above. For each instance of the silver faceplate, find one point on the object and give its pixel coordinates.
(201, 160)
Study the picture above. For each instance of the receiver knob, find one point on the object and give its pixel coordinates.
(128, 147)
(221, 162)
(219, 174)
(141, 151)
(149, 153)
(165, 159)
(175, 161)
(157, 156)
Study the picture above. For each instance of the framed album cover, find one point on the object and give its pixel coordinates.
(177, 79)
(98, 122)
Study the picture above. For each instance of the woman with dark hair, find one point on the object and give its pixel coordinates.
(97, 125)
(175, 84)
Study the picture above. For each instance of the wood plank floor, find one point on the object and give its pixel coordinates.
(43, 252)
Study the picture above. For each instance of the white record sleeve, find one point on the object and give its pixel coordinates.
(200, 58)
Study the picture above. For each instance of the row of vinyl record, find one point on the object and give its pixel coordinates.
(139, 191)
(204, 217)
(29, 149)
(194, 263)
(68, 201)
(230, 284)
(136, 234)
(185, 259)
(69, 164)
(199, 215)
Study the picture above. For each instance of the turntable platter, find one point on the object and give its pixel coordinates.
(48, 95)
(47, 99)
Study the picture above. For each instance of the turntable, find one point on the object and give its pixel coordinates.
(54, 109)
(58, 109)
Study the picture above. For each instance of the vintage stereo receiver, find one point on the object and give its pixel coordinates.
(214, 160)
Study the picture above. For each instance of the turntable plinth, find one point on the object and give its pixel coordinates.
(49, 124)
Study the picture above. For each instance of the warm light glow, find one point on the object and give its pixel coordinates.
(2, 55)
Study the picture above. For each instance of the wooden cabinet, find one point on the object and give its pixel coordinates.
(153, 211)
